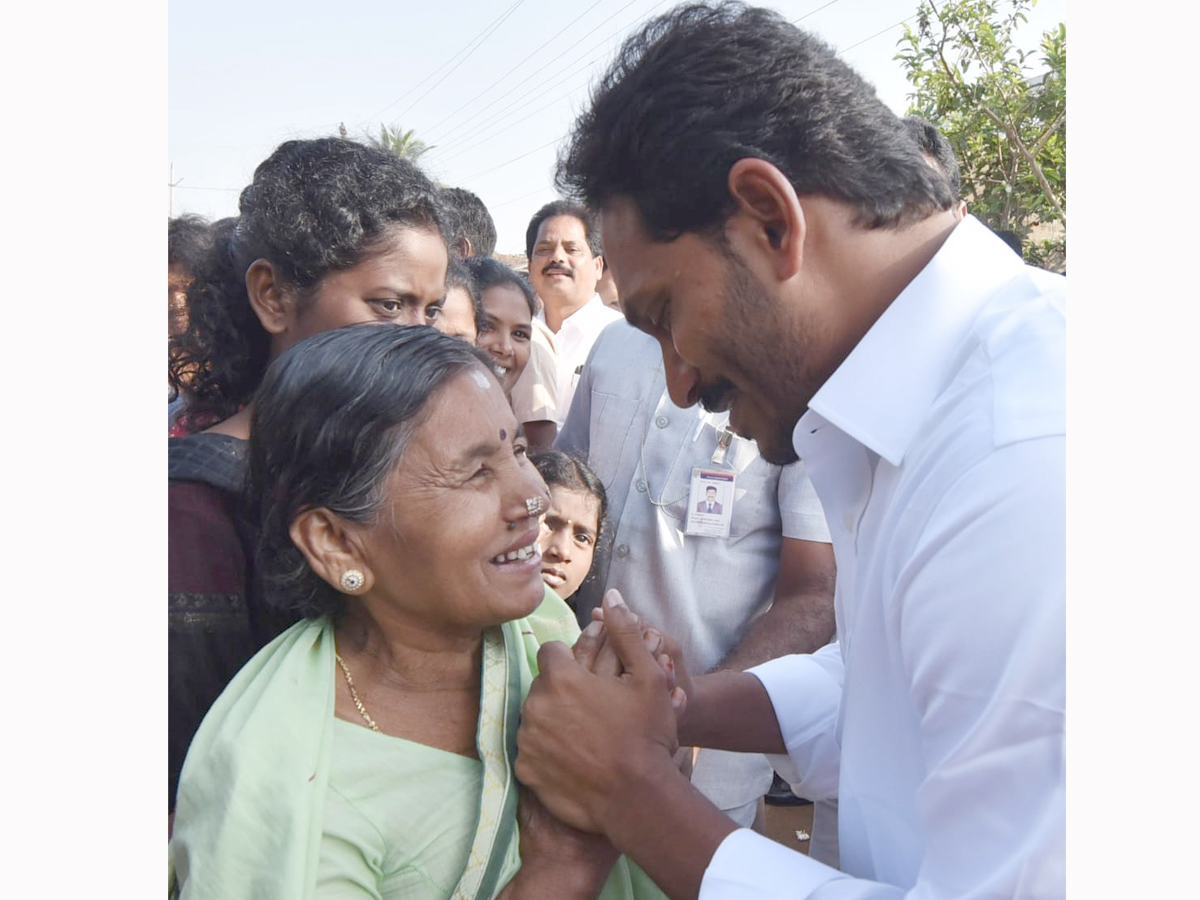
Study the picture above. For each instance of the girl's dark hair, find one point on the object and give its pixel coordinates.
(332, 419)
(459, 275)
(572, 473)
(314, 207)
(489, 272)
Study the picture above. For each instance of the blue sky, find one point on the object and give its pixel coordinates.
(494, 86)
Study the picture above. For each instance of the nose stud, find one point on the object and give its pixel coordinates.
(535, 506)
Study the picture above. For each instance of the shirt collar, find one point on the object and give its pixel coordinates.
(881, 393)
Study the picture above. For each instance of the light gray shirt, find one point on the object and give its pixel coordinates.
(702, 590)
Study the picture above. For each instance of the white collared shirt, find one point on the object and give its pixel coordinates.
(938, 451)
(573, 341)
(703, 590)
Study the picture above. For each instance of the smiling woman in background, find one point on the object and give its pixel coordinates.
(330, 232)
(506, 326)
(368, 750)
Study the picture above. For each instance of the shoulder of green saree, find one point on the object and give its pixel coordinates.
(552, 621)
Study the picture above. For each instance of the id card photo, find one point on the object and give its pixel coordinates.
(710, 502)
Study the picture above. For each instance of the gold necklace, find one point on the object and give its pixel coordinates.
(353, 693)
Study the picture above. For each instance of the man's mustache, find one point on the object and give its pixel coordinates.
(715, 397)
(554, 267)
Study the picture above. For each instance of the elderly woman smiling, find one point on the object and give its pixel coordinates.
(368, 750)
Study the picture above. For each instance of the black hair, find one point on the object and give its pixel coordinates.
(1013, 240)
(490, 272)
(572, 473)
(472, 221)
(591, 224)
(702, 86)
(460, 275)
(314, 207)
(332, 419)
(189, 238)
(934, 144)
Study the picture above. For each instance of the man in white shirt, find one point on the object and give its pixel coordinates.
(565, 257)
(763, 590)
(802, 267)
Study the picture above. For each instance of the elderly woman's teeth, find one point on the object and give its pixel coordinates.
(513, 555)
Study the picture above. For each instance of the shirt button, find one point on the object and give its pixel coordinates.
(641, 485)
(848, 520)
(661, 421)
(622, 550)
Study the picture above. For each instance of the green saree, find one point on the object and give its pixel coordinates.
(251, 807)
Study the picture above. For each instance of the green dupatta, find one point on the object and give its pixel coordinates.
(250, 808)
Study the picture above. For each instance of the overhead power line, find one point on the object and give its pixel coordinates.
(875, 35)
(552, 143)
(814, 12)
(471, 47)
(530, 56)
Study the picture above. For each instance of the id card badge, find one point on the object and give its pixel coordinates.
(710, 502)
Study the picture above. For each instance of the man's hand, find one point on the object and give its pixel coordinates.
(596, 653)
(588, 739)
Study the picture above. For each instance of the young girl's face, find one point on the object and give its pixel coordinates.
(568, 539)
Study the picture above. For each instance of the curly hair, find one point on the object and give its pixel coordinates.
(334, 416)
(189, 237)
(314, 207)
(700, 87)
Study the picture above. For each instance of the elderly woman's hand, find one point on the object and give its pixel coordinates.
(557, 860)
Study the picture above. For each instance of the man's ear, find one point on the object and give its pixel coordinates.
(331, 547)
(599, 261)
(268, 297)
(767, 202)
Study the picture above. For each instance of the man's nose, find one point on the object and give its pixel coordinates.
(683, 379)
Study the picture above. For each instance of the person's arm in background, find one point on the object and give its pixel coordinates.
(533, 395)
(800, 620)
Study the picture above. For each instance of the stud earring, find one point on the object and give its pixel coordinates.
(352, 580)
(535, 506)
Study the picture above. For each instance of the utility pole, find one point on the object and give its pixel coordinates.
(171, 193)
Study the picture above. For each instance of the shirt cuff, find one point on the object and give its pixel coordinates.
(804, 693)
(750, 865)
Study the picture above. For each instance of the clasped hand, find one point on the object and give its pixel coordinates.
(601, 722)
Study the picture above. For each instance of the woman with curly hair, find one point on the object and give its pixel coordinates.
(329, 233)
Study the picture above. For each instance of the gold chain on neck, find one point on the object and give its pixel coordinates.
(353, 693)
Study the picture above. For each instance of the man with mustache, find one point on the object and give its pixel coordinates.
(772, 225)
(565, 257)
